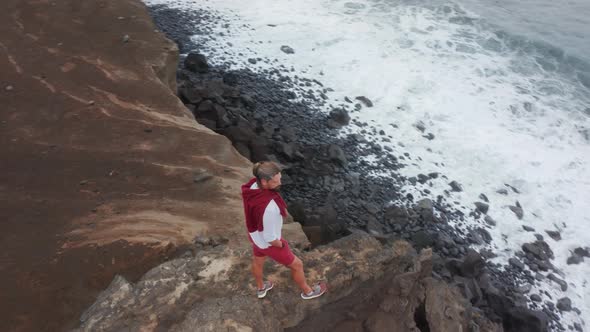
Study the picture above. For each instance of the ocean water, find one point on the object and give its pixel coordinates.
(562, 24)
(504, 87)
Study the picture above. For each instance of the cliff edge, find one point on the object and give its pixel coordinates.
(102, 169)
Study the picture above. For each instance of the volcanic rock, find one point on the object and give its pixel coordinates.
(455, 186)
(338, 118)
(517, 209)
(196, 62)
(287, 49)
(564, 304)
(482, 207)
(555, 235)
(366, 101)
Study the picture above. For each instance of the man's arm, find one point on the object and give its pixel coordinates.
(276, 243)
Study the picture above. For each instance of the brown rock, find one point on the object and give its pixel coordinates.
(396, 301)
(92, 96)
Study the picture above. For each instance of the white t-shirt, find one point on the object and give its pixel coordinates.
(272, 222)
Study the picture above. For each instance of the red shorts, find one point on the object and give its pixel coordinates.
(280, 255)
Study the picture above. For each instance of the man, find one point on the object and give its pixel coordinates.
(265, 209)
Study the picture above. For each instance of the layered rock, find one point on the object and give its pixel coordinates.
(103, 170)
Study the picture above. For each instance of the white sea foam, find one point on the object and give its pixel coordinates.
(498, 116)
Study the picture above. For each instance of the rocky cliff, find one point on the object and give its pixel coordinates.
(102, 169)
(373, 287)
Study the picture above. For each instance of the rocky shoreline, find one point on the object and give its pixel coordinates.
(331, 190)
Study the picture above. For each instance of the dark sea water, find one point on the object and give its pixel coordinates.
(563, 24)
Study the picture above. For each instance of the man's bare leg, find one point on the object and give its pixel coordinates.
(257, 270)
(299, 276)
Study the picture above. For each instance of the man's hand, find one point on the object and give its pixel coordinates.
(276, 243)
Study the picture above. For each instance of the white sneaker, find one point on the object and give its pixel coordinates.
(316, 291)
(261, 293)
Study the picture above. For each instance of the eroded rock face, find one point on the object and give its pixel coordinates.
(103, 170)
(382, 287)
(407, 299)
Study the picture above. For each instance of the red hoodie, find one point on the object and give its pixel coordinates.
(255, 203)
